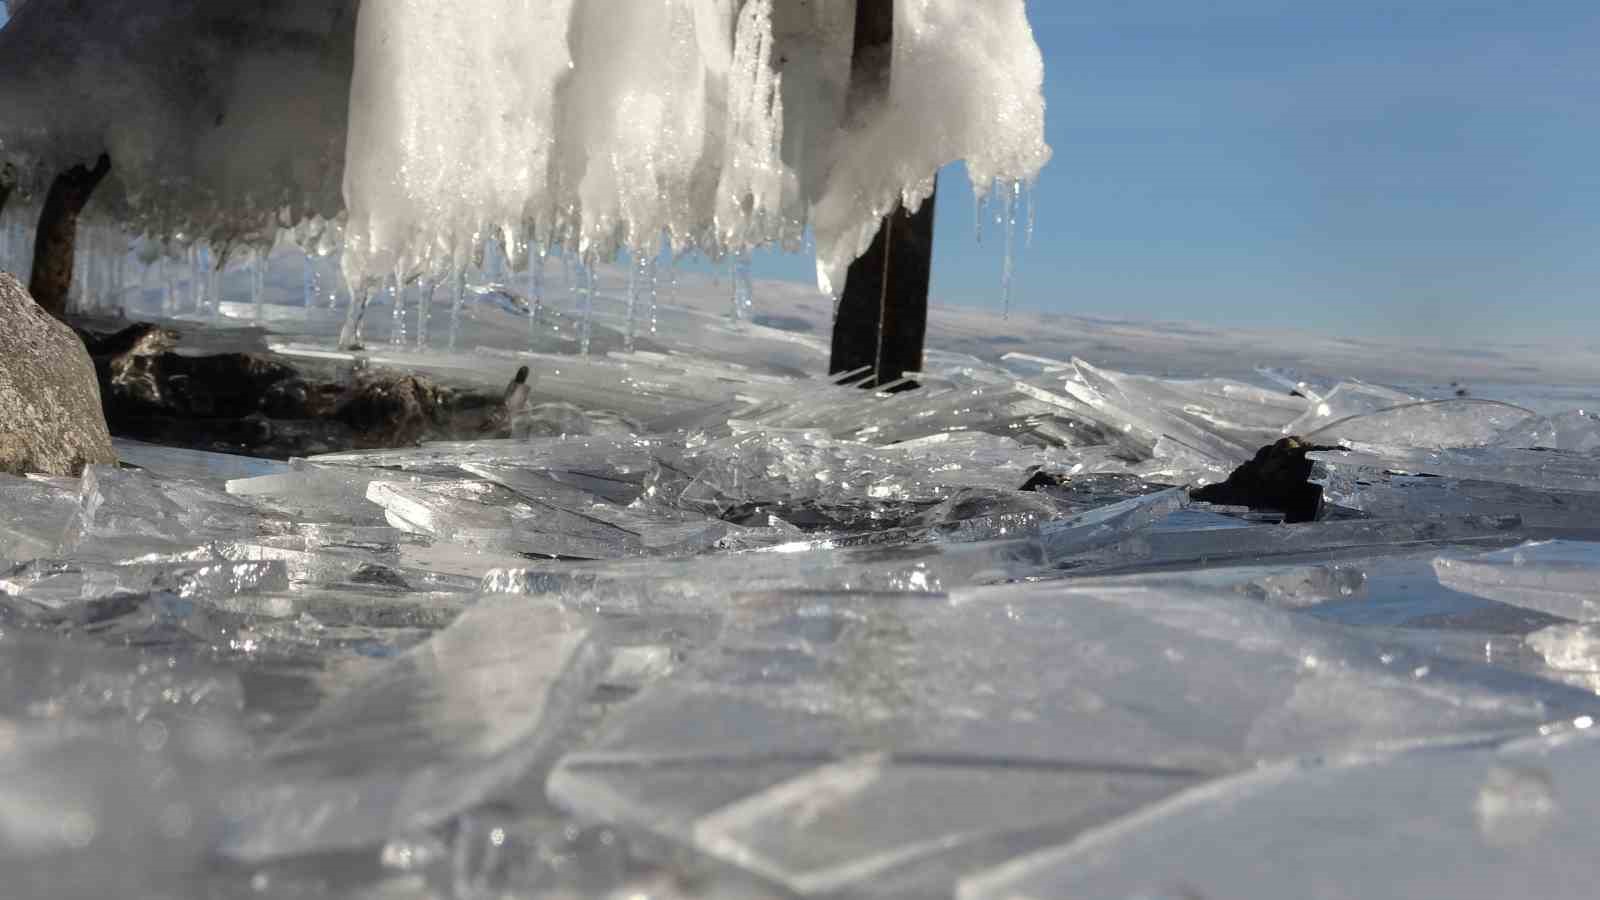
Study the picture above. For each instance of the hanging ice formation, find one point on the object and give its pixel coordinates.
(709, 125)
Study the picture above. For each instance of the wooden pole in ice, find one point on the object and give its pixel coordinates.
(883, 313)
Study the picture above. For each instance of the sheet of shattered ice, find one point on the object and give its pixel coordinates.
(710, 626)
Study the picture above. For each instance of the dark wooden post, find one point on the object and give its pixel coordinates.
(883, 314)
(8, 183)
(54, 248)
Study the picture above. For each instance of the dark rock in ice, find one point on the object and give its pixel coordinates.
(50, 416)
(264, 406)
(1276, 479)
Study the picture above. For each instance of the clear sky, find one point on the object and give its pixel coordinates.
(1420, 167)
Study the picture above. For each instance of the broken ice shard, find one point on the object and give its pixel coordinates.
(821, 743)
(113, 761)
(1555, 577)
(1462, 821)
(1429, 424)
(480, 514)
(863, 818)
(411, 744)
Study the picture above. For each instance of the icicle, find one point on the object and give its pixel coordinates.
(636, 277)
(258, 283)
(169, 277)
(535, 294)
(977, 217)
(397, 315)
(1010, 209)
(350, 336)
(196, 278)
(214, 265)
(308, 283)
(585, 304)
(744, 289)
(1028, 243)
(655, 280)
(456, 305)
(425, 291)
(119, 270)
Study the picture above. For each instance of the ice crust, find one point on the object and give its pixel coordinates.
(712, 625)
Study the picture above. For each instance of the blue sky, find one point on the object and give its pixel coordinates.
(1429, 168)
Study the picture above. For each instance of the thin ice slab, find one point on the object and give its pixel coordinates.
(1555, 577)
(831, 738)
(409, 745)
(1465, 822)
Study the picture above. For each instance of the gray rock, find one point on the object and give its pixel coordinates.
(51, 421)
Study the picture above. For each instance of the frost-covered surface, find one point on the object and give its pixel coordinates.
(223, 120)
(709, 124)
(744, 632)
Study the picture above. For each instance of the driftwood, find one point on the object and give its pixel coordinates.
(54, 248)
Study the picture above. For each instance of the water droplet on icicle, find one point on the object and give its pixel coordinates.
(397, 327)
(744, 294)
(308, 283)
(456, 305)
(655, 286)
(637, 277)
(1009, 204)
(1032, 213)
(536, 257)
(585, 288)
(425, 291)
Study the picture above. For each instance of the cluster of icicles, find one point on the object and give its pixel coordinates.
(706, 126)
(120, 275)
(487, 140)
(117, 275)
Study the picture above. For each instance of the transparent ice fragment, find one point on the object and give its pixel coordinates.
(1570, 648)
(122, 503)
(1428, 424)
(33, 517)
(1547, 470)
(1555, 577)
(1211, 546)
(854, 821)
(1393, 496)
(113, 763)
(193, 465)
(1448, 822)
(409, 745)
(1347, 399)
(480, 514)
(328, 493)
(983, 690)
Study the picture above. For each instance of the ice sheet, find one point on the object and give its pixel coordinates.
(431, 735)
(1451, 822)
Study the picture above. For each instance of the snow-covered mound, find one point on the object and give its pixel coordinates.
(223, 120)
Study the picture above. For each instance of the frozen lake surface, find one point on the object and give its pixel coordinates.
(716, 626)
